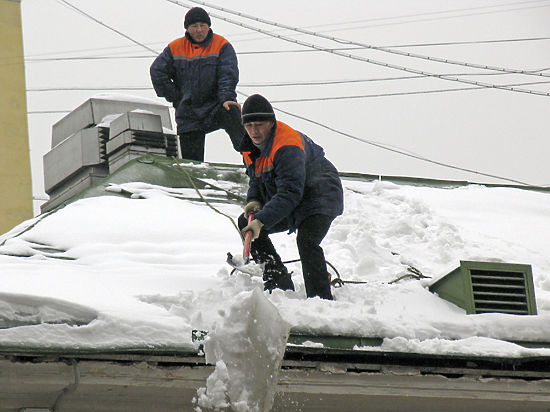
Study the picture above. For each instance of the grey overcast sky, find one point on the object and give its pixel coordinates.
(374, 109)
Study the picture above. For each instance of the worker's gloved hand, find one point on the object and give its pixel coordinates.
(227, 105)
(255, 226)
(252, 207)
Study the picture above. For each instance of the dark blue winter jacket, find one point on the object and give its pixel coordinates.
(291, 178)
(196, 78)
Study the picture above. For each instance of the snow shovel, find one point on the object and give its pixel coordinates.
(245, 266)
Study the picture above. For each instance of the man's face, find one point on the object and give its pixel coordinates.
(198, 31)
(258, 131)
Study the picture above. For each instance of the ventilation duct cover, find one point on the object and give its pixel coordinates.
(489, 287)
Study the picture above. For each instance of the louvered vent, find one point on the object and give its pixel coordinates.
(103, 139)
(488, 287)
(498, 291)
(171, 145)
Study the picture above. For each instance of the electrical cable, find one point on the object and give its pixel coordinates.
(347, 23)
(439, 18)
(88, 50)
(70, 388)
(372, 61)
(366, 46)
(397, 151)
(107, 26)
(385, 147)
(60, 59)
(84, 88)
(48, 111)
(31, 59)
(258, 85)
(362, 96)
(347, 81)
(304, 99)
(459, 43)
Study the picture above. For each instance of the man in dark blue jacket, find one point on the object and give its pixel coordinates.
(292, 187)
(198, 74)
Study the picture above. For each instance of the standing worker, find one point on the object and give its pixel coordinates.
(198, 74)
(292, 187)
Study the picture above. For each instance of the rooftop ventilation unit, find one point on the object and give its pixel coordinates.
(134, 134)
(489, 287)
(97, 138)
(73, 165)
(93, 111)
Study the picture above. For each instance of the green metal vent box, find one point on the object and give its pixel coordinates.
(489, 287)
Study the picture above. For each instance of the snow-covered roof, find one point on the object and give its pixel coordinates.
(144, 266)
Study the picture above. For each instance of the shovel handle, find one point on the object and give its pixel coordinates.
(248, 239)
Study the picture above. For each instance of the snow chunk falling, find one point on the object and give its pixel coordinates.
(247, 346)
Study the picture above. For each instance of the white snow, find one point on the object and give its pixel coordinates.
(106, 121)
(146, 271)
(22, 310)
(127, 98)
(251, 336)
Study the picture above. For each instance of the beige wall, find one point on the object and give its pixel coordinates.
(15, 172)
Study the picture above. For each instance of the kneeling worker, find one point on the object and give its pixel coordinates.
(292, 187)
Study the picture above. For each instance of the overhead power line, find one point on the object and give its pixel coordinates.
(304, 99)
(382, 146)
(444, 17)
(257, 85)
(460, 43)
(61, 59)
(408, 93)
(364, 45)
(345, 81)
(399, 151)
(32, 58)
(47, 111)
(406, 19)
(367, 60)
(66, 3)
(86, 88)
(407, 16)
(93, 49)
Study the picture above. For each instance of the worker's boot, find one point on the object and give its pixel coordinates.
(276, 276)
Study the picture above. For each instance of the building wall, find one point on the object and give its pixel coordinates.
(15, 172)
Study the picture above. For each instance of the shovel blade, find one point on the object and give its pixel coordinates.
(244, 265)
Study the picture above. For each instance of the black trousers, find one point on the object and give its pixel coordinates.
(192, 143)
(310, 234)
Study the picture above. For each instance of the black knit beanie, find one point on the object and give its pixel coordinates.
(196, 15)
(257, 109)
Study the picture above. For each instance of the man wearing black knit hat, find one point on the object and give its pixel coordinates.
(292, 187)
(198, 74)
